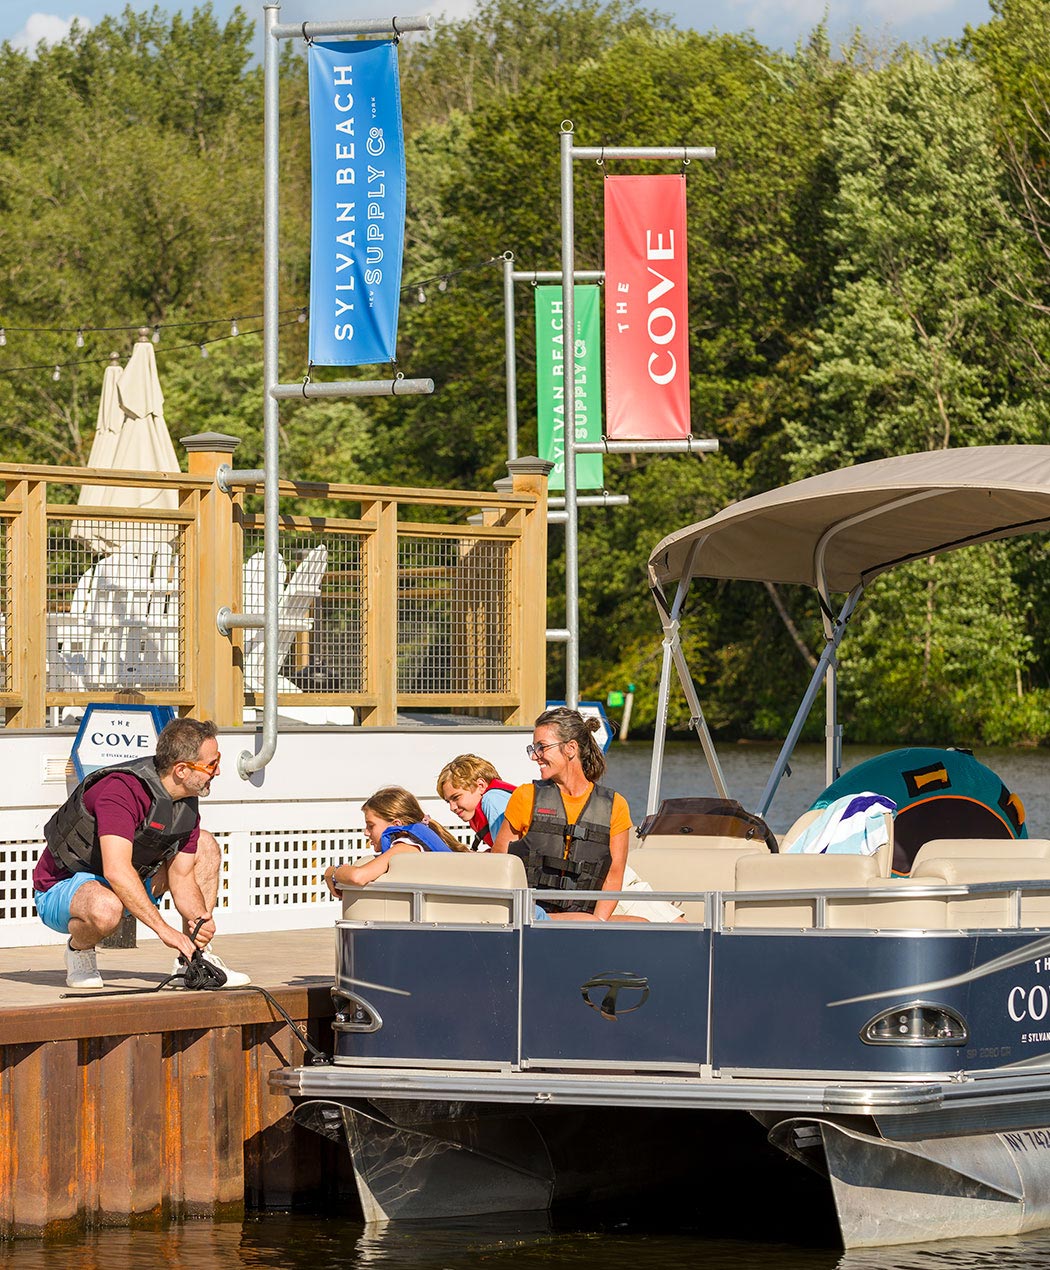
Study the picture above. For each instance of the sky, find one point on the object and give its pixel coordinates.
(776, 23)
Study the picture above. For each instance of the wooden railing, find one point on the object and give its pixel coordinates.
(378, 612)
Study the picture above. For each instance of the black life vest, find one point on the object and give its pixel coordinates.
(479, 821)
(563, 857)
(72, 832)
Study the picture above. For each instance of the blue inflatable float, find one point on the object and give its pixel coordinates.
(939, 794)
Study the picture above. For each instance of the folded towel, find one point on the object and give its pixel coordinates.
(852, 825)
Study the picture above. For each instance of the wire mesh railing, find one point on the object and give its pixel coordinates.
(374, 612)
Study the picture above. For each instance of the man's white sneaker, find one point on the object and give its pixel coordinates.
(82, 968)
(234, 978)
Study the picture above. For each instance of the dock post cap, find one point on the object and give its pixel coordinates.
(216, 441)
(529, 465)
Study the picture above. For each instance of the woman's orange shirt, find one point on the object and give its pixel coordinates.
(519, 810)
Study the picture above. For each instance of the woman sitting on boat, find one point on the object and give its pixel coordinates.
(394, 822)
(571, 832)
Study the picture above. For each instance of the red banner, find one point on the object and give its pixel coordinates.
(646, 308)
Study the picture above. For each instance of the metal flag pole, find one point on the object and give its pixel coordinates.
(273, 391)
(598, 154)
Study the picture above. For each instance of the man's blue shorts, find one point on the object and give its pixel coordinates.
(53, 904)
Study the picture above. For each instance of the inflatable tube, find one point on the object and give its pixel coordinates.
(939, 794)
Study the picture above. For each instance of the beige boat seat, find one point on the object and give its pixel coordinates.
(989, 909)
(789, 873)
(682, 871)
(883, 857)
(439, 868)
(968, 848)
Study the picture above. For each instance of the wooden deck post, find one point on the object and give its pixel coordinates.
(213, 579)
(380, 608)
(529, 476)
(27, 571)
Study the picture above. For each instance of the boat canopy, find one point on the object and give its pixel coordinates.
(842, 529)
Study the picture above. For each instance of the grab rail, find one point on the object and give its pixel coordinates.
(715, 901)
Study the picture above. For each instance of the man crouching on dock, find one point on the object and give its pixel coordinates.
(125, 835)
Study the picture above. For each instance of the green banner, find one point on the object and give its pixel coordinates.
(550, 382)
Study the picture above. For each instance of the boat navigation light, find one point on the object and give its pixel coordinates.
(916, 1023)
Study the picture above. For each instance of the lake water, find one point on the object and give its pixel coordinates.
(684, 1238)
(325, 1241)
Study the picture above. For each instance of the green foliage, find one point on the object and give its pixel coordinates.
(919, 347)
(868, 275)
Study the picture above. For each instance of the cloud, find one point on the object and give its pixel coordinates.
(46, 27)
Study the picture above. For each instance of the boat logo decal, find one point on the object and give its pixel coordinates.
(616, 982)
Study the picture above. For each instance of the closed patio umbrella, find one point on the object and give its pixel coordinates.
(131, 435)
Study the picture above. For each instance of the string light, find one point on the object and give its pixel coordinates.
(443, 284)
(3, 336)
(302, 316)
(156, 334)
(235, 330)
(421, 296)
(56, 374)
(97, 361)
(82, 329)
(80, 338)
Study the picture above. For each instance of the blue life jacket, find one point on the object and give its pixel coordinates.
(423, 834)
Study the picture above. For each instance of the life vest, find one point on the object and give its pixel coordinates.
(478, 821)
(72, 832)
(563, 857)
(423, 834)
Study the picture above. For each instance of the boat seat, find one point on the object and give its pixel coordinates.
(788, 873)
(968, 848)
(439, 868)
(680, 871)
(988, 909)
(883, 857)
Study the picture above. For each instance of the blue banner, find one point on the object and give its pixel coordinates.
(357, 154)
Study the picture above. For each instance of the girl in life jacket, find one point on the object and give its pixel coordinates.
(475, 793)
(394, 822)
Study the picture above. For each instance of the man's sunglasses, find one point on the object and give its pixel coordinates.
(208, 768)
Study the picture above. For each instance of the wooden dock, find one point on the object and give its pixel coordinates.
(115, 1110)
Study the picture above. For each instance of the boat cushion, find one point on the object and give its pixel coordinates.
(989, 909)
(454, 868)
(966, 848)
(683, 870)
(794, 873)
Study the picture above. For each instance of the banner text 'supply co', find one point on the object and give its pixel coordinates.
(551, 352)
(646, 308)
(357, 154)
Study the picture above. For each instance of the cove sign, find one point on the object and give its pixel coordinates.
(111, 733)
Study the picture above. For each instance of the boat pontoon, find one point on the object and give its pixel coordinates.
(891, 1033)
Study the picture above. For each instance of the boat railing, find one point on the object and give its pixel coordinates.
(881, 908)
(389, 598)
(518, 901)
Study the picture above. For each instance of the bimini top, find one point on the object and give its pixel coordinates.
(860, 521)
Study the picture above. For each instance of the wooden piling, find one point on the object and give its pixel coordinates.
(126, 1109)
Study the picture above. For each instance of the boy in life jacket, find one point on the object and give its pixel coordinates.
(475, 793)
(394, 823)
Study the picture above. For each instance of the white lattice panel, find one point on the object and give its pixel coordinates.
(287, 868)
(17, 860)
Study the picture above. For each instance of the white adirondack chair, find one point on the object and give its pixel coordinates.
(294, 613)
